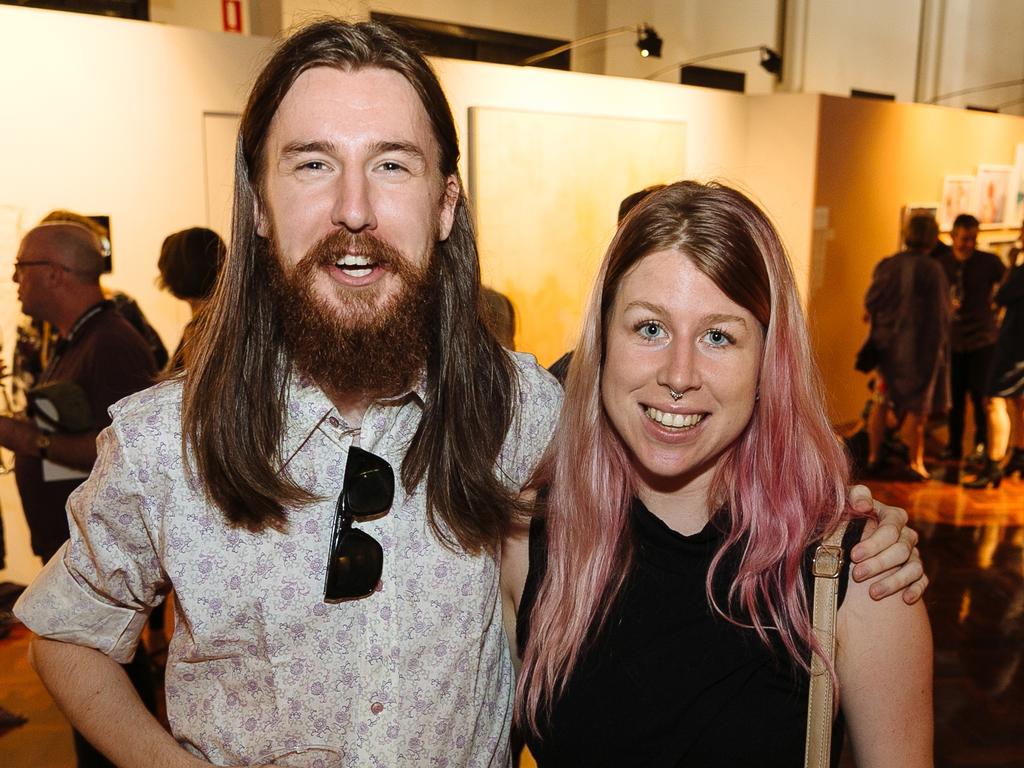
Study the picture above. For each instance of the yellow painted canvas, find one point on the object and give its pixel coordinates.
(545, 189)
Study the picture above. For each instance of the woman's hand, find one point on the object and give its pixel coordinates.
(885, 545)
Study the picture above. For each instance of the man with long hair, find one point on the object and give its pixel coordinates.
(322, 607)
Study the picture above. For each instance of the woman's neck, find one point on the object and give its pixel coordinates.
(683, 508)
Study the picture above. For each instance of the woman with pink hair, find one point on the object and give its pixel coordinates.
(665, 618)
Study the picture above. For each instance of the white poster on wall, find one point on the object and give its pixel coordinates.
(1015, 193)
(957, 198)
(991, 187)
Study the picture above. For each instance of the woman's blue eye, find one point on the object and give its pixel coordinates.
(650, 330)
(718, 338)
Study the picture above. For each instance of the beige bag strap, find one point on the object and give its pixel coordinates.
(828, 564)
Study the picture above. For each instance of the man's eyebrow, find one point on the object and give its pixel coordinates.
(405, 147)
(293, 148)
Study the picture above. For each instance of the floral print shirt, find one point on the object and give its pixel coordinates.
(417, 674)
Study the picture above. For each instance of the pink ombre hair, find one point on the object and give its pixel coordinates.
(779, 488)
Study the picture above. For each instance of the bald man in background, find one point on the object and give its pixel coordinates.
(99, 359)
(99, 352)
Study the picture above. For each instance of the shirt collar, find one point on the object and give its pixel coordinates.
(306, 407)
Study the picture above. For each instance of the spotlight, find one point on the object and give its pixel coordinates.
(648, 42)
(771, 62)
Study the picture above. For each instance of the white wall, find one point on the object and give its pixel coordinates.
(781, 168)
(869, 45)
(980, 44)
(106, 117)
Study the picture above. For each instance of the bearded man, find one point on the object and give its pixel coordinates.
(347, 315)
(323, 609)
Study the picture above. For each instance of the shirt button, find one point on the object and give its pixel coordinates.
(333, 421)
(376, 707)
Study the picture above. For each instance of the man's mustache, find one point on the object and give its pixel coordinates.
(340, 243)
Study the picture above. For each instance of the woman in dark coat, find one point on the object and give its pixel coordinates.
(908, 305)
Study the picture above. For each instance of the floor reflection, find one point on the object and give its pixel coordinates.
(973, 548)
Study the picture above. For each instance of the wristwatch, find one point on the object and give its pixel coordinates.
(43, 444)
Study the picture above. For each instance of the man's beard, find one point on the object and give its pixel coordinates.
(355, 347)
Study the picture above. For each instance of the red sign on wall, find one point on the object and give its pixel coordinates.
(231, 13)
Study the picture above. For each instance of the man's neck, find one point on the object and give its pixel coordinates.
(351, 407)
(73, 307)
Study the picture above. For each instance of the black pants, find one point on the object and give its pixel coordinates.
(968, 373)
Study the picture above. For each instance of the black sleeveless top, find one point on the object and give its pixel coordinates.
(668, 682)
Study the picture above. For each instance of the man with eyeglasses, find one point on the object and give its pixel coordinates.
(57, 271)
(356, 443)
(99, 359)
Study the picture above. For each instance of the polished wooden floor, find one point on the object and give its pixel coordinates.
(973, 548)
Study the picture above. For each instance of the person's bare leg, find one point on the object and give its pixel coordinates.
(915, 429)
(998, 428)
(876, 430)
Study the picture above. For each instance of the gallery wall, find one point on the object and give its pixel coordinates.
(873, 158)
(106, 116)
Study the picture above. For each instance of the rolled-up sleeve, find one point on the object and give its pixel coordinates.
(540, 400)
(99, 588)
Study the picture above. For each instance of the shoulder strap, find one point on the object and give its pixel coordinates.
(828, 564)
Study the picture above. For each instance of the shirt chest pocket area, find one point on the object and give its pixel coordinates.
(240, 598)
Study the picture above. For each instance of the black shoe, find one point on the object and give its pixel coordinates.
(975, 463)
(990, 475)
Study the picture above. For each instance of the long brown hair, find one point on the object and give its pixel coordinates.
(237, 379)
(779, 487)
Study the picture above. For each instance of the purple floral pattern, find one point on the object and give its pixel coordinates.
(418, 674)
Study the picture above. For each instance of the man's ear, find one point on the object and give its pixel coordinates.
(261, 219)
(449, 202)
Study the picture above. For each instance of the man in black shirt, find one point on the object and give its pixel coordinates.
(99, 355)
(973, 278)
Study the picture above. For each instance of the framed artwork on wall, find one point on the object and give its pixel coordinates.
(957, 198)
(991, 188)
(546, 188)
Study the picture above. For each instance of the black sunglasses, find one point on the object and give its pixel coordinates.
(357, 559)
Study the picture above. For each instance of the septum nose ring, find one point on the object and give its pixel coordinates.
(674, 395)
